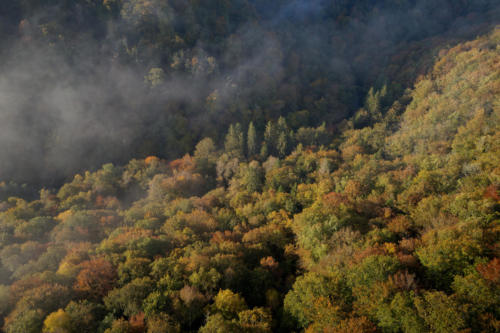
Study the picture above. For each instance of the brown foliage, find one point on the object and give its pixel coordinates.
(399, 224)
(492, 192)
(96, 278)
(137, 323)
(368, 252)
(490, 271)
(19, 287)
(334, 199)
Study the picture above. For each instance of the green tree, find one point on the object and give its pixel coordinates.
(252, 177)
(129, 299)
(205, 156)
(57, 322)
(256, 320)
(162, 323)
(216, 323)
(234, 142)
(270, 138)
(30, 321)
(440, 312)
(229, 304)
(85, 316)
(252, 141)
(317, 298)
(282, 144)
(120, 326)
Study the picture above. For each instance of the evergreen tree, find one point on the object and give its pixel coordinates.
(270, 138)
(283, 136)
(282, 144)
(234, 143)
(282, 126)
(252, 144)
(205, 156)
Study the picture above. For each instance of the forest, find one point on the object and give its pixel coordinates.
(249, 166)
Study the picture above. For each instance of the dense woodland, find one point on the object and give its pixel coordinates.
(358, 196)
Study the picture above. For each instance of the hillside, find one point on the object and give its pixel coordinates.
(386, 222)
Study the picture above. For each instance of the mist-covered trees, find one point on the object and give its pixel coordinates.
(154, 78)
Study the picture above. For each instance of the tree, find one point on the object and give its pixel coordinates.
(85, 316)
(30, 321)
(57, 322)
(252, 177)
(282, 144)
(133, 268)
(234, 142)
(155, 77)
(226, 168)
(162, 323)
(129, 299)
(216, 323)
(257, 320)
(205, 156)
(446, 253)
(281, 125)
(252, 141)
(229, 304)
(315, 298)
(374, 103)
(479, 289)
(120, 326)
(283, 137)
(373, 269)
(96, 278)
(270, 137)
(440, 312)
(45, 297)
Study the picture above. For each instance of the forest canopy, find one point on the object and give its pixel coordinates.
(249, 166)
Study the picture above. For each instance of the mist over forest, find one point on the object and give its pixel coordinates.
(249, 166)
(89, 82)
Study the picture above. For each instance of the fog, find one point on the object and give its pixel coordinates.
(74, 100)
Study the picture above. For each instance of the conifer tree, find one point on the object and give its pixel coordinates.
(252, 144)
(270, 138)
(282, 144)
(234, 143)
